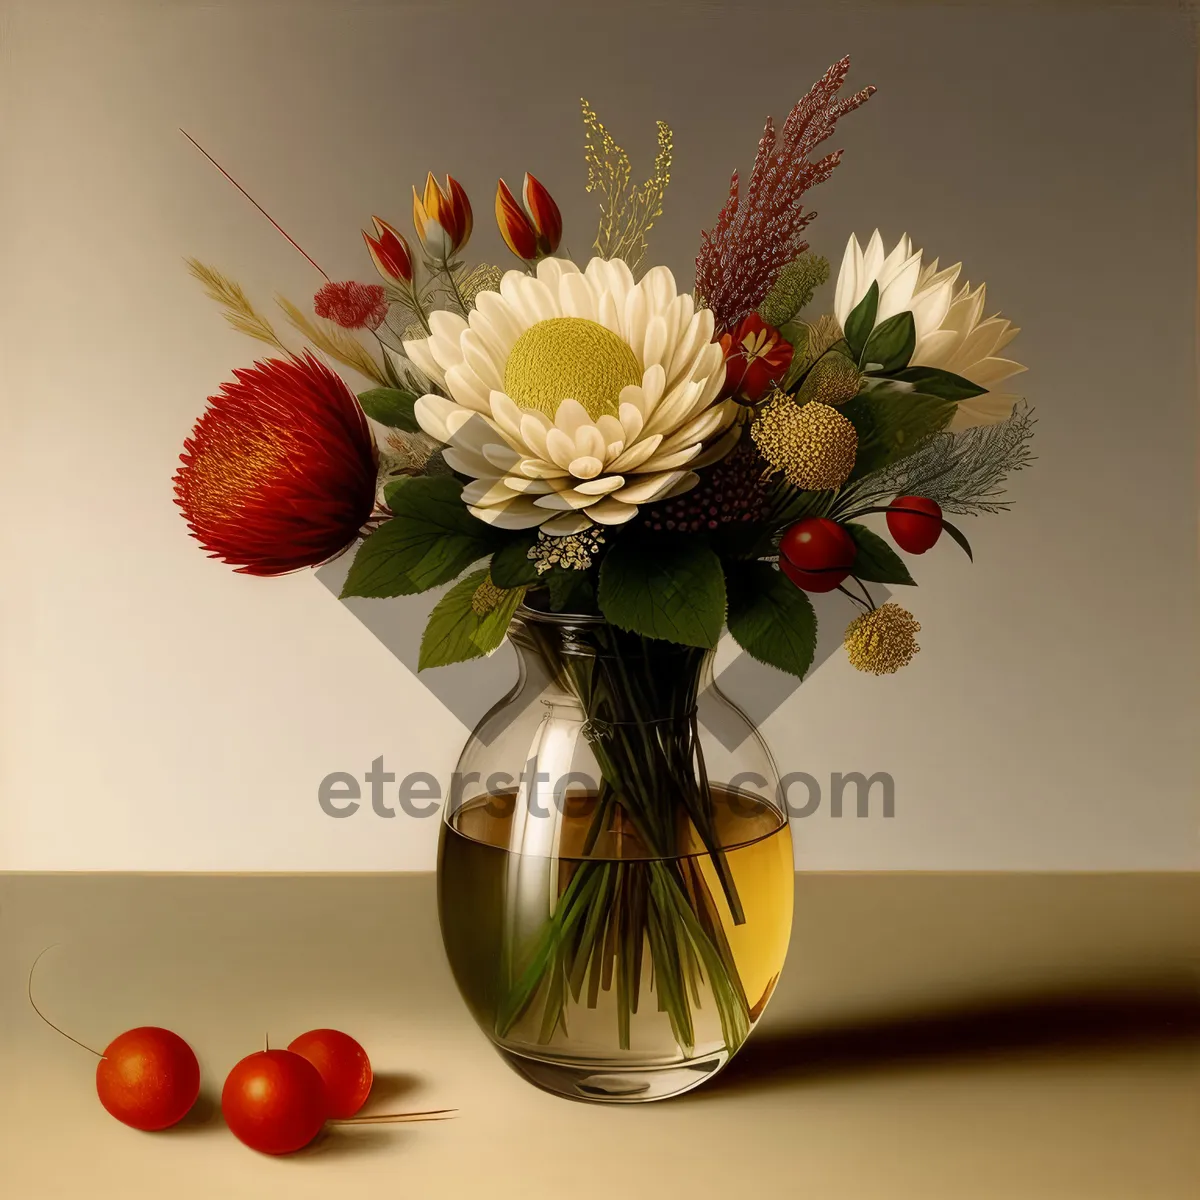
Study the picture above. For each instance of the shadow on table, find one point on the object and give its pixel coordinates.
(1048, 1027)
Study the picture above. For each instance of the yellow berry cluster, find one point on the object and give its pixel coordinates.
(883, 640)
(812, 444)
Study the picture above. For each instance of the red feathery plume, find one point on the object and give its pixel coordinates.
(352, 305)
(755, 238)
(280, 471)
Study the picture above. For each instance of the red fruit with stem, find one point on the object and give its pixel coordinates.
(915, 523)
(148, 1078)
(274, 1101)
(343, 1066)
(816, 554)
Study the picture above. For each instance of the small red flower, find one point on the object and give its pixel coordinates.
(352, 305)
(757, 356)
(280, 471)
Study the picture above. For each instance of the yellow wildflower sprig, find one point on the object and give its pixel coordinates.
(627, 213)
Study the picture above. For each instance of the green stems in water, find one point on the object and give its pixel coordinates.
(638, 699)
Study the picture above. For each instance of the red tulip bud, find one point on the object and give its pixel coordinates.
(547, 220)
(443, 217)
(515, 227)
(535, 231)
(390, 252)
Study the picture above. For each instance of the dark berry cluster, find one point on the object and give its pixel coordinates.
(729, 491)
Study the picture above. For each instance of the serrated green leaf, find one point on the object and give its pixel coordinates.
(935, 382)
(664, 587)
(390, 406)
(770, 618)
(876, 561)
(861, 321)
(892, 422)
(511, 565)
(455, 632)
(430, 539)
(960, 537)
(891, 344)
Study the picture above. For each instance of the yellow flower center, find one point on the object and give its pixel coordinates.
(570, 358)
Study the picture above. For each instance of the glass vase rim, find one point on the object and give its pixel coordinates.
(527, 612)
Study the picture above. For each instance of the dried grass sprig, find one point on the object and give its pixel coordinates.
(627, 213)
(239, 312)
(757, 234)
(335, 342)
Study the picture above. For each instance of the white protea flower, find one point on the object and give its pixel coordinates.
(968, 344)
(951, 331)
(575, 396)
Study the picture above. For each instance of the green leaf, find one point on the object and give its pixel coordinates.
(770, 618)
(430, 539)
(960, 537)
(571, 591)
(390, 406)
(935, 382)
(796, 333)
(664, 587)
(391, 489)
(891, 344)
(861, 321)
(891, 422)
(511, 565)
(455, 632)
(876, 561)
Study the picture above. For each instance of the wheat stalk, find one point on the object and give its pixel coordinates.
(239, 312)
(333, 341)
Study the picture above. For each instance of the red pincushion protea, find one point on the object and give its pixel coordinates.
(280, 471)
(352, 305)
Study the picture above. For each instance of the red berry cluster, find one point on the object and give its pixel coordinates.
(728, 492)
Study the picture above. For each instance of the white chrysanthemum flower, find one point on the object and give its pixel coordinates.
(951, 331)
(575, 396)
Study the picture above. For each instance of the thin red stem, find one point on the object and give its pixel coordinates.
(252, 200)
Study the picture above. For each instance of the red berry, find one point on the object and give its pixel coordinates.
(816, 554)
(914, 531)
(274, 1101)
(343, 1066)
(148, 1078)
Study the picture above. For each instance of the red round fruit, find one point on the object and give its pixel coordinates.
(914, 522)
(343, 1066)
(274, 1101)
(816, 554)
(148, 1078)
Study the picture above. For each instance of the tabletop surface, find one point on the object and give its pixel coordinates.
(933, 1036)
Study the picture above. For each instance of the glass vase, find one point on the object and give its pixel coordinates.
(615, 872)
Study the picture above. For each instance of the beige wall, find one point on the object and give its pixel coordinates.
(160, 712)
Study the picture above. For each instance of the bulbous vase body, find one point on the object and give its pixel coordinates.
(615, 874)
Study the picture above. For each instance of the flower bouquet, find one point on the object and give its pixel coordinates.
(612, 471)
